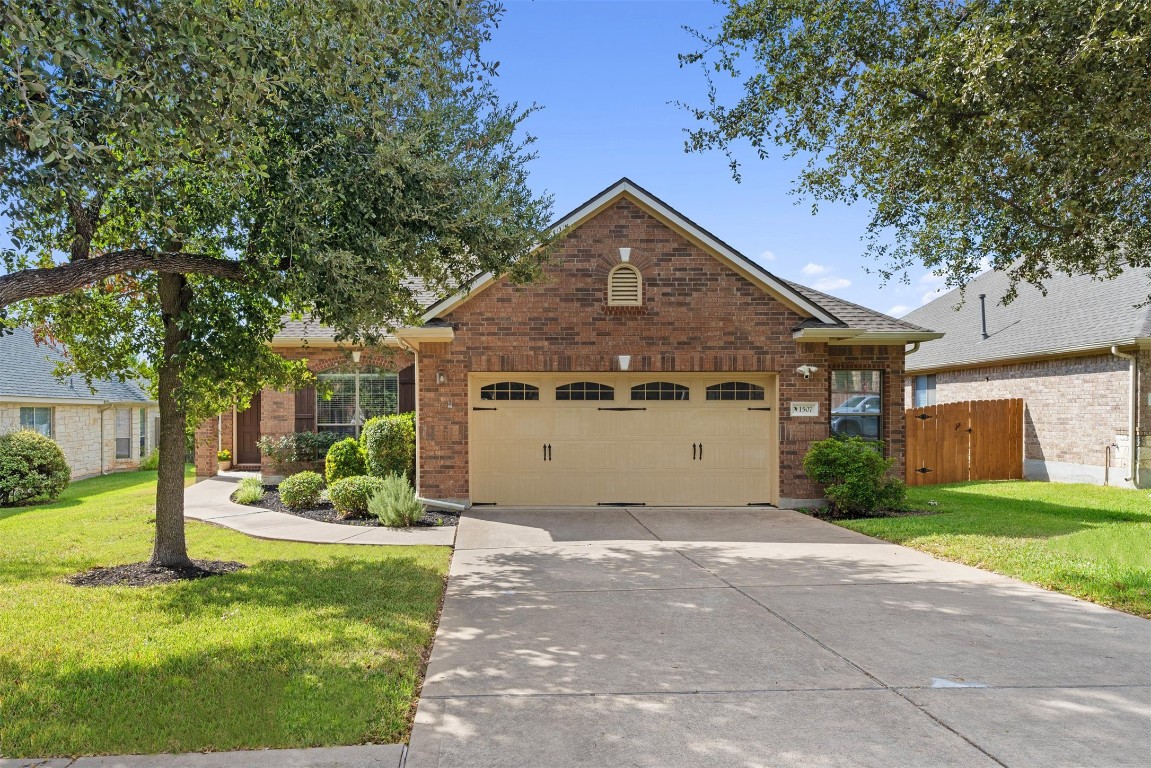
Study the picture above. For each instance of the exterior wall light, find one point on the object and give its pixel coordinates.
(441, 377)
(806, 371)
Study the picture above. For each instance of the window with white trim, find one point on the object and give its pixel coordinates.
(624, 287)
(38, 419)
(123, 433)
(925, 390)
(345, 400)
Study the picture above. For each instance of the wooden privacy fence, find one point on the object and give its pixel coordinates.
(973, 440)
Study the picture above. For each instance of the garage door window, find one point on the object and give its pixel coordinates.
(585, 390)
(659, 390)
(857, 404)
(509, 390)
(735, 390)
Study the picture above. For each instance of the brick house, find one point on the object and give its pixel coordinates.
(652, 363)
(107, 427)
(1078, 356)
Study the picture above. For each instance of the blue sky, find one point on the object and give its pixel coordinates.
(606, 74)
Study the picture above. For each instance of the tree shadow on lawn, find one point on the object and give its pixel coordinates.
(82, 491)
(960, 511)
(286, 653)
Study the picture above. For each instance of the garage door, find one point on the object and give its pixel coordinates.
(697, 439)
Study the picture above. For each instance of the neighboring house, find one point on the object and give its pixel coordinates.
(1078, 357)
(105, 428)
(651, 364)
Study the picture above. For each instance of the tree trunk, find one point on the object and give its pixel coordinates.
(171, 550)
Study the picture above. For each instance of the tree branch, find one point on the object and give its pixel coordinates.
(53, 281)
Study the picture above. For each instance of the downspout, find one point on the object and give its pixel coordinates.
(914, 348)
(1133, 414)
(416, 362)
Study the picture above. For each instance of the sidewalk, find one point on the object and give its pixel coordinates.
(365, 756)
(209, 501)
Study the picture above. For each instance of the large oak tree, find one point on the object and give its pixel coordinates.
(1015, 132)
(178, 174)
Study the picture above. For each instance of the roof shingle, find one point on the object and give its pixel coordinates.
(26, 371)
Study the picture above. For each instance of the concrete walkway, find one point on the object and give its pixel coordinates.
(209, 501)
(741, 638)
(367, 756)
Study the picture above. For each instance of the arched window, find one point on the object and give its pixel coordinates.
(585, 390)
(735, 390)
(659, 390)
(509, 390)
(346, 398)
(624, 287)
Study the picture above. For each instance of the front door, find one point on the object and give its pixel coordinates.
(247, 434)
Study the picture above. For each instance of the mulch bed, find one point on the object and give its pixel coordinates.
(326, 513)
(145, 575)
(825, 513)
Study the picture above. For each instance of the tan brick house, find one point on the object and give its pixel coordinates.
(1079, 357)
(651, 364)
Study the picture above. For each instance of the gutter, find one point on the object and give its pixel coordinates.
(1133, 416)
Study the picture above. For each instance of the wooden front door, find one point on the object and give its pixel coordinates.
(247, 433)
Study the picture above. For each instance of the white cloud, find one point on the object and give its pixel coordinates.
(767, 256)
(811, 270)
(899, 310)
(930, 278)
(832, 284)
(932, 295)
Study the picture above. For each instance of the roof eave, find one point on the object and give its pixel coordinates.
(888, 337)
(1099, 348)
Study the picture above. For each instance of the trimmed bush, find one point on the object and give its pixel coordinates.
(350, 496)
(249, 491)
(297, 451)
(395, 504)
(32, 468)
(301, 490)
(390, 445)
(151, 462)
(345, 459)
(855, 476)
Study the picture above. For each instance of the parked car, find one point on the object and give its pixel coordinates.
(848, 419)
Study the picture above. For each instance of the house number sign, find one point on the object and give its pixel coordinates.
(804, 409)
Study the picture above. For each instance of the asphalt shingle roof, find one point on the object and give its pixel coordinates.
(854, 315)
(26, 371)
(1079, 313)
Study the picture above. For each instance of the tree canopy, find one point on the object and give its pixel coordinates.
(180, 174)
(1009, 132)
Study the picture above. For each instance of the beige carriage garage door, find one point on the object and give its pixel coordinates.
(656, 439)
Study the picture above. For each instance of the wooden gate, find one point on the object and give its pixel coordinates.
(973, 440)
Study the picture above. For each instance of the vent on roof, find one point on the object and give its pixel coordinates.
(624, 287)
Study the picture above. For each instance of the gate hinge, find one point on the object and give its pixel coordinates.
(924, 470)
(923, 417)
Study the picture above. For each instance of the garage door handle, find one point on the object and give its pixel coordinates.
(547, 451)
(701, 451)
(693, 451)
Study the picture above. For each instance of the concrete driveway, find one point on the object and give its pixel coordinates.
(678, 637)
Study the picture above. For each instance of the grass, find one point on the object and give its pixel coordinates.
(1084, 540)
(310, 645)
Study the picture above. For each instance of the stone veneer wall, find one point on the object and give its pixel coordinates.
(76, 429)
(698, 315)
(1074, 407)
(278, 409)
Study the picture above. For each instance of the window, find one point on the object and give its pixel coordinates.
(659, 390)
(925, 390)
(509, 390)
(353, 398)
(123, 433)
(585, 390)
(624, 287)
(735, 390)
(37, 419)
(143, 432)
(857, 404)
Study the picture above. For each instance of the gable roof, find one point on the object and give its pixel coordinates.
(824, 322)
(1078, 314)
(27, 375)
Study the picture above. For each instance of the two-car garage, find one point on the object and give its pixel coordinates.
(623, 438)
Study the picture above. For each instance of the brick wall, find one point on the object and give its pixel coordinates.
(1073, 407)
(697, 315)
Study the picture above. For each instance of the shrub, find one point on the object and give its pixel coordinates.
(345, 459)
(301, 490)
(855, 476)
(314, 446)
(350, 496)
(32, 468)
(223, 456)
(250, 490)
(390, 444)
(151, 462)
(395, 504)
(300, 450)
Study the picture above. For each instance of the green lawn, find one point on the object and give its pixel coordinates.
(1085, 540)
(310, 645)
